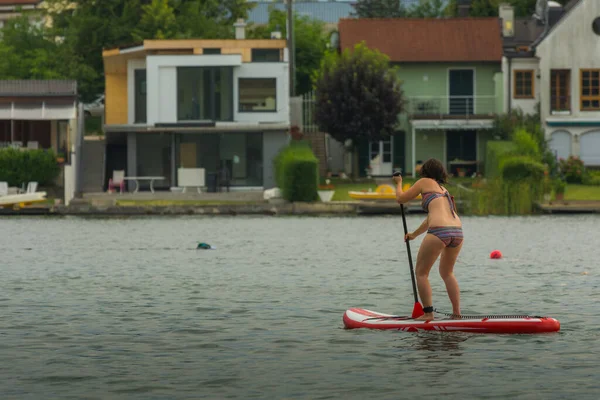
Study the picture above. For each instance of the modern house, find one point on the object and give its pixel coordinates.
(452, 80)
(175, 107)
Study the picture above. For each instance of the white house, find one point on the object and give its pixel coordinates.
(210, 105)
(570, 82)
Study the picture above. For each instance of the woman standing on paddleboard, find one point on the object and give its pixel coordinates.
(444, 233)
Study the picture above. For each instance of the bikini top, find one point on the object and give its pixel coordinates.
(428, 197)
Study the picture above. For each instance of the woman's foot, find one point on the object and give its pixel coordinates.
(425, 317)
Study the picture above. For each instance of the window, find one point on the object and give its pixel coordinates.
(258, 94)
(560, 89)
(523, 85)
(211, 51)
(140, 96)
(265, 55)
(205, 93)
(590, 90)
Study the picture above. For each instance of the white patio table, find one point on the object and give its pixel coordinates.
(143, 178)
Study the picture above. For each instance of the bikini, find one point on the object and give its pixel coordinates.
(451, 236)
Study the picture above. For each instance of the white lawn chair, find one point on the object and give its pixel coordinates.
(3, 188)
(117, 180)
(31, 187)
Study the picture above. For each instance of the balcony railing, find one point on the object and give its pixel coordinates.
(449, 107)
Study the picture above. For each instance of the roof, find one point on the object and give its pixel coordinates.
(190, 44)
(19, 2)
(427, 40)
(38, 88)
(567, 9)
(328, 12)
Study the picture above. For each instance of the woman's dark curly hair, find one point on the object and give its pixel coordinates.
(434, 169)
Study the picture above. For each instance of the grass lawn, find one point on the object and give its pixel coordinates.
(167, 203)
(582, 192)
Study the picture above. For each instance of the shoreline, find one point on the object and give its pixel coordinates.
(83, 208)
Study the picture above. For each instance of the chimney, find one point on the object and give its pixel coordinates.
(507, 14)
(463, 8)
(240, 29)
(555, 12)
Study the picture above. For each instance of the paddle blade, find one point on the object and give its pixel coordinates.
(417, 310)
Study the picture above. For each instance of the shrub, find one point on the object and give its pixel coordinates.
(525, 144)
(520, 168)
(572, 169)
(296, 172)
(591, 178)
(496, 150)
(18, 167)
(559, 186)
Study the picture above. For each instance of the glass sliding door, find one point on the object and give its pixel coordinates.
(205, 93)
(238, 156)
(154, 158)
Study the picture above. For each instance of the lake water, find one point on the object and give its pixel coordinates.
(128, 309)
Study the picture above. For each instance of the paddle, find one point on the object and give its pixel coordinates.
(418, 308)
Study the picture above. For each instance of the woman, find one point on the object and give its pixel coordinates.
(444, 233)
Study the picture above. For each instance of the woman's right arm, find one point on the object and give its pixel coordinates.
(420, 230)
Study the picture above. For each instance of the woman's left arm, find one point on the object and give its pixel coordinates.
(403, 197)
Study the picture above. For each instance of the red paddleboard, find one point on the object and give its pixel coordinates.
(361, 318)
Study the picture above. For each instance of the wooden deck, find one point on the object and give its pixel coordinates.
(570, 207)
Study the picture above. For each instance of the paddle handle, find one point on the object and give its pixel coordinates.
(410, 263)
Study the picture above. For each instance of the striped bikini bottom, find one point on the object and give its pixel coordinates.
(452, 236)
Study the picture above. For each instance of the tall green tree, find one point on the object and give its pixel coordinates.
(428, 9)
(95, 25)
(379, 9)
(358, 96)
(27, 51)
(310, 40)
(158, 22)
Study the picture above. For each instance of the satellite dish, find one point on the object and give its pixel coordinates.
(541, 6)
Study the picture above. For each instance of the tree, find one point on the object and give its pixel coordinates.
(428, 9)
(358, 96)
(157, 22)
(310, 41)
(94, 25)
(379, 9)
(28, 52)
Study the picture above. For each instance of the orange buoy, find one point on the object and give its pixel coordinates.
(495, 254)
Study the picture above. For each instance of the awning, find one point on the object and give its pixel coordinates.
(37, 111)
(219, 128)
(452, 124)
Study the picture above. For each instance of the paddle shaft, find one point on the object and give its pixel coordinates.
(410, 263)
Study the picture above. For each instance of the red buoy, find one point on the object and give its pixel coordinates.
(495, 254)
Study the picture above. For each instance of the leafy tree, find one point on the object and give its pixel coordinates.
(158, 22)
(95, 25)
(310, 41)
(428, 9)
(358, 96)
(379, 9)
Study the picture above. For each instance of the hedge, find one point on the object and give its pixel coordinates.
(296, 172)
(496, 150)
(20, 167)
(519, 168)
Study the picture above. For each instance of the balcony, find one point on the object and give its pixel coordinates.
(452, 107)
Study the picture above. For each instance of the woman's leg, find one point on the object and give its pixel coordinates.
(447, 261)
(431, 247)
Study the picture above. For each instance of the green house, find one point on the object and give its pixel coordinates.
(451, 76)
